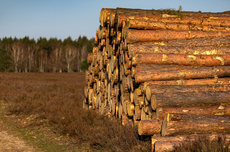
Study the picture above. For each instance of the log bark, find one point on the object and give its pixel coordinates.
(130, 109)
(221, 21)
(105, 15)
(164, 35)
(121, 18)
(90, 58)
(209, 41)
(141, 101)
(162, 144)
(90, 99)
(150, 127)
(143, 115)
(163, 100)
(185, 50)
(120, 111)
(180, 59)
(125, 84)
(137, 113)
(135, 122)
(178, 73)
(154, 88)
(142, 24)
(216, 81)
(180, 124)
(129, 11)
(223, 110)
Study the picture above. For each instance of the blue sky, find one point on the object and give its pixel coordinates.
(63, 18)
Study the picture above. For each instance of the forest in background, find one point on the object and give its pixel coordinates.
(52, 55)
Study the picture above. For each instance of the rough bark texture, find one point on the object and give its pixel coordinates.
(185, 50)
(215, 81)
(164, 35)
(154, 88)
(222, 110)
(150, 127)
(180, 59)
(179, 124)
(178, 73)
(163, 100)
(187, 43)
(158, 25)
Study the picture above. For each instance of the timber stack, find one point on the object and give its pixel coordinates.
(167, 74)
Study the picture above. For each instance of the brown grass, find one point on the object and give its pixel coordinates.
(57, 97)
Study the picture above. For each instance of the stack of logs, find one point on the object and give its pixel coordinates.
(167, 74)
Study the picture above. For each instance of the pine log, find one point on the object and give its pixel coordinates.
(164, 35)
(141, 101)
(124, 120)
(180, 124)
(159, 25)
(90, 58)
(135, 121)
(209, 41)
(143, 114)
(105, 15)
(178, 73)
(149, 127)
(185, 50)
(96, 38)
(124, 107)
(109, 92)
(120, 111)
(90, 99)
(162, 144)
(86, 91)
(121, 18)
(125, 97)
(180, 59)
(155, 88)
(214, 21)
(112, 20)
(137, 113)
(98, 98)
(130, 109)
(94, 100)
(215, 81)
(132, 98)
(223, 110)
(155, 67)
(129, 11)
(194, 99)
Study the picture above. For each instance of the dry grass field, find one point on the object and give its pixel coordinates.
(54, 100)
(46, 109)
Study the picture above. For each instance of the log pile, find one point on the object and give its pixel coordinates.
(167, 74)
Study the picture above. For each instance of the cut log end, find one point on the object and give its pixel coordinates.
(148, 93)
(164, 125)
(140, 128)
(153, 102)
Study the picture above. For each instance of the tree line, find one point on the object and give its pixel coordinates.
(52, 55)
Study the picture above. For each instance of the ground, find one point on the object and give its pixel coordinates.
(9, 142)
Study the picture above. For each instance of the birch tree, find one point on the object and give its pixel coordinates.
(17, 53)
(56, 57)
(70, 53)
